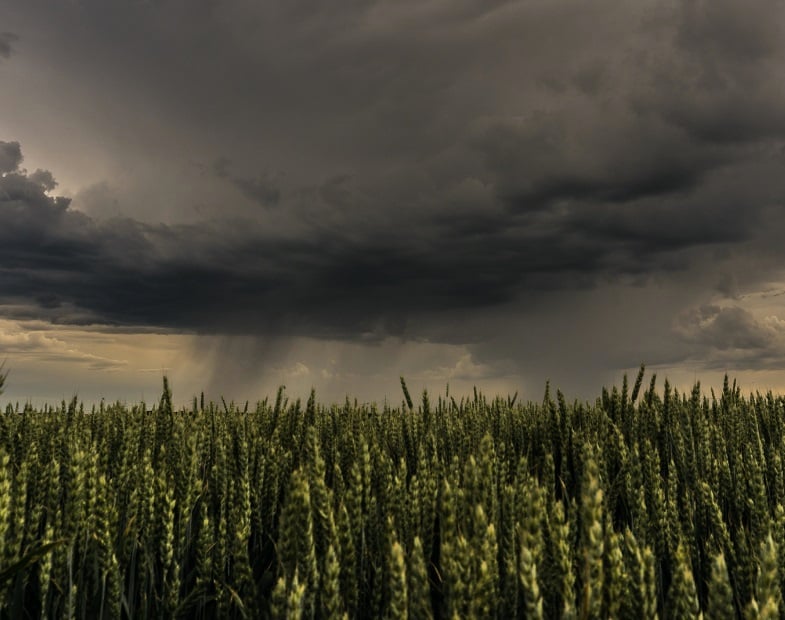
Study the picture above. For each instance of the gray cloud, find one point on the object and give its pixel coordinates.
(547, 158)
(262, 190)
(436, 162)
(721, 82)
(7, 39)
(367, 281)
(646, 108)
(727, 31)
(725, 328)
(44, 179)
(722, 337)
(10, 156)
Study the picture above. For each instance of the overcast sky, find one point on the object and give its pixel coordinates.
(242, 194)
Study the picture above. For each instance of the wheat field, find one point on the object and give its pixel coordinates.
(646, 503)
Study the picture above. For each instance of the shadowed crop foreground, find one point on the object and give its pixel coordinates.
(643, 504)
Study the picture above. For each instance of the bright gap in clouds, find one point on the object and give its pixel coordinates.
(50, 363)
(743, 336)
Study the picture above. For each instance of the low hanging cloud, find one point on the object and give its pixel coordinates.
(21, 344)
(726, 328)
(362, 283)
(732, 337)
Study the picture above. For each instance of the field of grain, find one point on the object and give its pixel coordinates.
(646, 503)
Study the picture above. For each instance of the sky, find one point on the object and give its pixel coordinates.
(243, 194)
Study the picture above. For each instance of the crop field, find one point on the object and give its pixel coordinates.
(646, 503)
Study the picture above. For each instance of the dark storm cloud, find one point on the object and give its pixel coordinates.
(725, 30)
(10, 156)
(6, 44)
(722, 81)
(326, 282)
(125, 272)
(43, 179)
(438, 157)
(543, 161)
